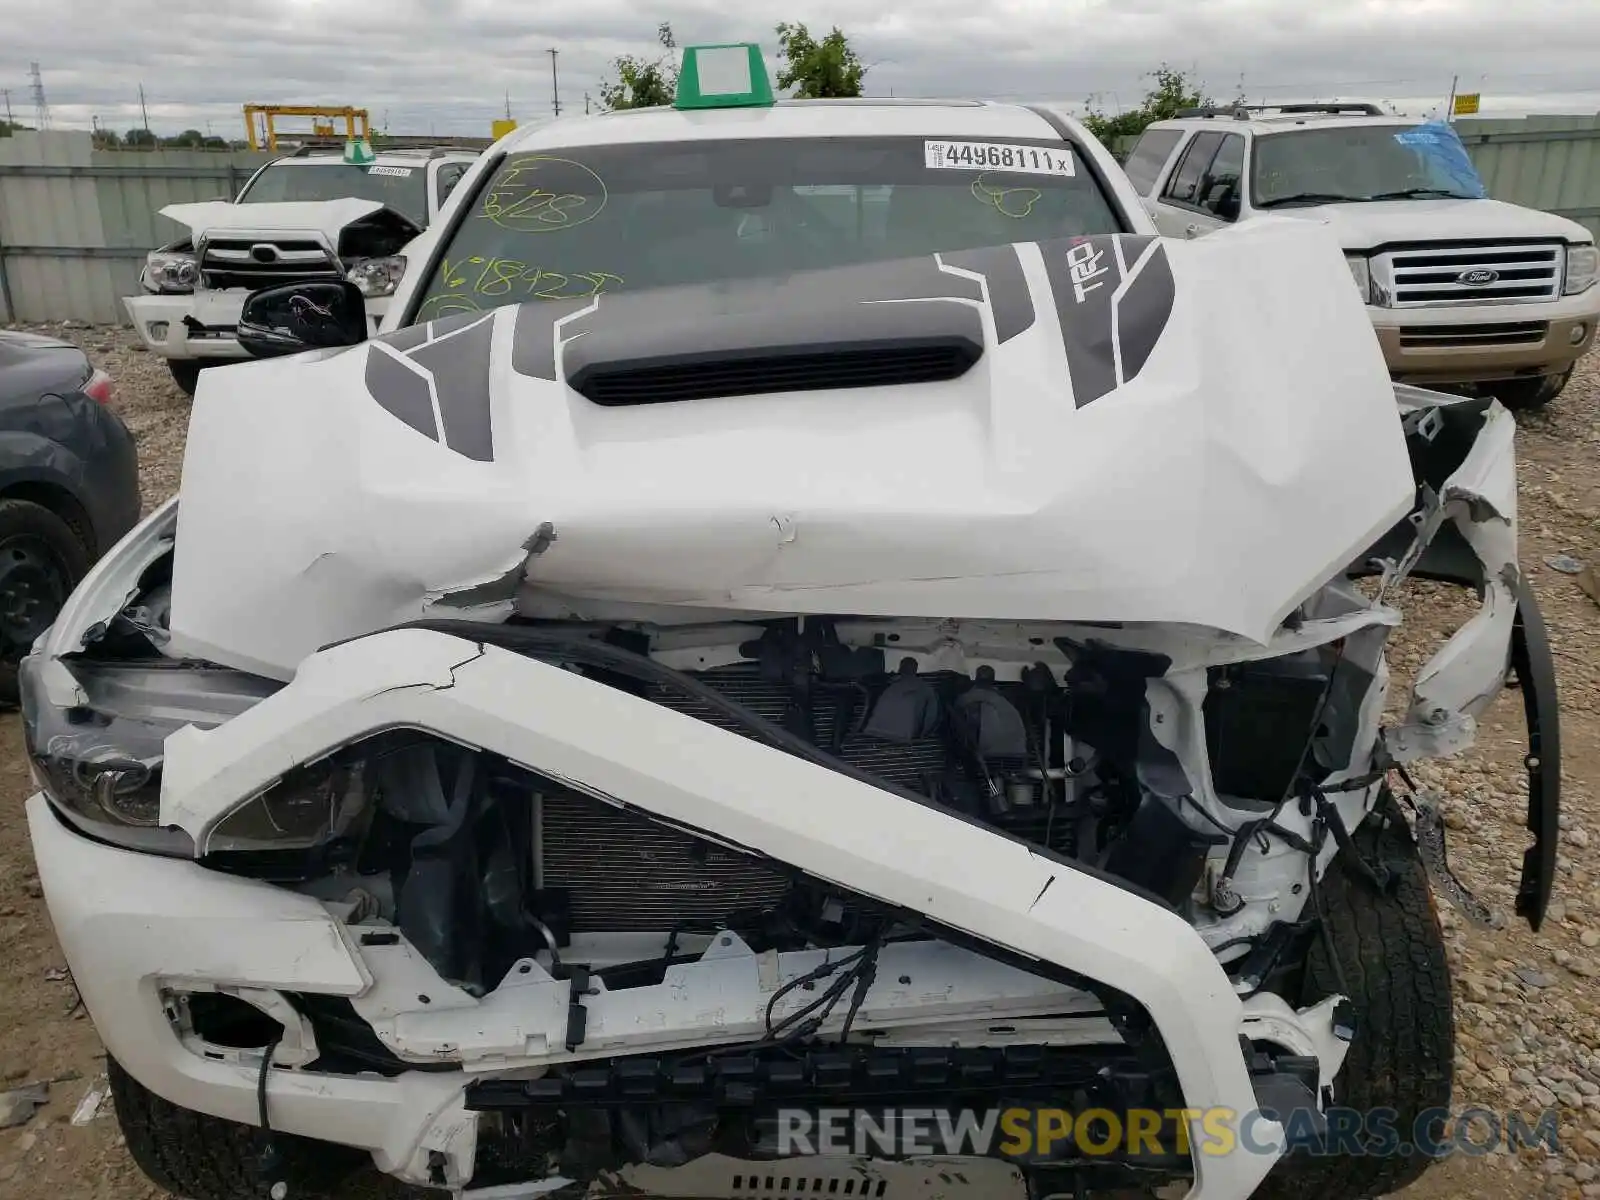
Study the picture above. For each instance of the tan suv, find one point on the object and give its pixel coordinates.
(1461, 289)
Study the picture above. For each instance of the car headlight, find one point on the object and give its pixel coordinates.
(377, 276)
(1583, 268)
(170, 272)
(99, 761)
(1361, 272)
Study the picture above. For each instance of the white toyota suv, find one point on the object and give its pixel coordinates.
(1461, 289)
(303, 216)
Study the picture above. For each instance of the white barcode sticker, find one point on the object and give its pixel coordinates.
(998, 156)
(402, 172)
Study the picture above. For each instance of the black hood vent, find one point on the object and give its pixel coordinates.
(903, 322)
(753, 373)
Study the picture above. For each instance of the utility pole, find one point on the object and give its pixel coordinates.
(144, 113)
(555, 84)
(6, 92)
(586, 104)
(1450, 104)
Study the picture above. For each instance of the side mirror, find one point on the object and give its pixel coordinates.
(289, 318)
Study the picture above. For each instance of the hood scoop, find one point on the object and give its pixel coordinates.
(823, 330)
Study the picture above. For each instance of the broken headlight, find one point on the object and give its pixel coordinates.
(315, 807)
(98, 757)
(377, 276)
(170, 272)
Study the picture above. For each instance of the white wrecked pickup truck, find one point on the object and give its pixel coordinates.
(305, 216)
(865, 700)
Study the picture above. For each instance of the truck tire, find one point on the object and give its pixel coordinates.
(1523, 395)
(185, 373)
(42, 558)
(1391, 952)
(199, 1157)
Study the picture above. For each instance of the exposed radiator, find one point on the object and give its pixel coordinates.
(625, 873)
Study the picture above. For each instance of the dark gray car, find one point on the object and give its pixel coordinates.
(69, 485)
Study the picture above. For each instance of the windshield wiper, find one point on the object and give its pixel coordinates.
(1418, 192)
(1311, 198)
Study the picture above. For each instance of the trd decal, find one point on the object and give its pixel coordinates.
(1113, 297)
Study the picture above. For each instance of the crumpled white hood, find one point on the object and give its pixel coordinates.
(1206, 450)
(327, 217)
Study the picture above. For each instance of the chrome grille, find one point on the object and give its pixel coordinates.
(1447, 275)
(1444, 337)
(250, 263)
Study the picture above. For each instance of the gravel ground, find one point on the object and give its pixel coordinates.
(1528, 1006)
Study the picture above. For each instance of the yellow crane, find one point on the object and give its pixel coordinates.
(265, 136)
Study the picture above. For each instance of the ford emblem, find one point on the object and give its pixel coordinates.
(1477, 277)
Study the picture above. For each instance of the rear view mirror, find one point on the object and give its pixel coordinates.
(292, 317)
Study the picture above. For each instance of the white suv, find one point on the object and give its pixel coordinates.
(1460, 288)
(304, 216)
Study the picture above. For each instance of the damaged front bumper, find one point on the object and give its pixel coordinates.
(1030, 940)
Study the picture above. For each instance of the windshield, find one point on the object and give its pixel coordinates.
(403, 189)
(566, 224)
(1362, 163)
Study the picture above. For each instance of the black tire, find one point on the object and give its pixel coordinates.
(185, 373)
(199, 1157)
(42, 558)
(1523, 395)
(1391, 950)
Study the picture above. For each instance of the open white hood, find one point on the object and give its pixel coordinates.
(1197, 433)
(327, 217)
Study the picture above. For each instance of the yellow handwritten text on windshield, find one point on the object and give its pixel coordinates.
(540, 193)
(476, 283)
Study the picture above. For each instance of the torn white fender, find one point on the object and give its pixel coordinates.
(1478, 500)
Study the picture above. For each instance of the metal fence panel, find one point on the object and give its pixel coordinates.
(1551, 163)
(76, 223)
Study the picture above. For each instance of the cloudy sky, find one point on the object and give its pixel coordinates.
(446, 66)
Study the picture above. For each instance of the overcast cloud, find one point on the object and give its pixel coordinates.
(446, 66)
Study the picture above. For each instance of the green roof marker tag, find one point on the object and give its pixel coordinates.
(358, 153)
(731, 76)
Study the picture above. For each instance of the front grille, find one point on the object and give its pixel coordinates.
(1443, 337)
(937, 360)
(252, 263)
(1445, 275)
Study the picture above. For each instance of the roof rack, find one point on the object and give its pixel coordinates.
(421, 152)
(1241, 112)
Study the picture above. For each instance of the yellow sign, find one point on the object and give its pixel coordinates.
(502, 127)
(1467, 104)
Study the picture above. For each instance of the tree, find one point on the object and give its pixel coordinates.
(641, 83)
(1172, 92)
(818, 70)
(139, 139)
